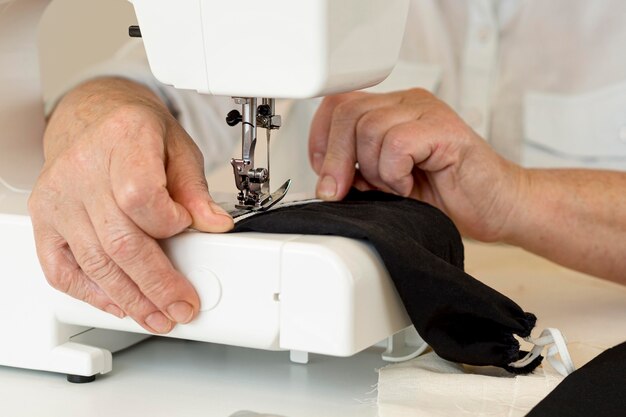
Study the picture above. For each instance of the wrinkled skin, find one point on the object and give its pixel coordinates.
(119, 174)
(411, 144)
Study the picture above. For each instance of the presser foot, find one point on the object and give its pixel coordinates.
(264, 203)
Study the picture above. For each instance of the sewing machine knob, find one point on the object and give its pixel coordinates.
(264, 110)
(233, 118)
(134, 32)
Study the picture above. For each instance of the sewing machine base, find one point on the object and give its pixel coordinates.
(319, 294)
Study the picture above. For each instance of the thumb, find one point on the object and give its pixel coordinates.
(332, 144)
(188, 187)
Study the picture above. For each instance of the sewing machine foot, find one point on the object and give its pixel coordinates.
(80, 379)
(297, 356)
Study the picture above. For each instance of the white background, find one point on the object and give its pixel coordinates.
(76, 34)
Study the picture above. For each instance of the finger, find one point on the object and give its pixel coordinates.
(361, 184)
(187, 186)
(139, 185)
(320, 128)
(404, 146)
(421, 190)
(65, 275)
(109, 277)
(318, 134)
(370, 131)
(337, 173)
(141, 258)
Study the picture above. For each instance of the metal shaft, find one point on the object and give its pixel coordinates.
(248, 129)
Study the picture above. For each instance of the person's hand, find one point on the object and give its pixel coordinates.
(412, 144)
(120, 172)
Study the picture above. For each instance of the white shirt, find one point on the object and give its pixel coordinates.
(543, 81)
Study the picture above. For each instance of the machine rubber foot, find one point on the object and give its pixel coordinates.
(79, 379)
(297, 356)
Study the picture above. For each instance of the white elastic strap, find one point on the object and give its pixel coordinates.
(553, 337)
(413, 355)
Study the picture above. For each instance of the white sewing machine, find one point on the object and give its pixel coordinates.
(327, 295)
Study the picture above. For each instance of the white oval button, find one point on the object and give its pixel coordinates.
(208, 287)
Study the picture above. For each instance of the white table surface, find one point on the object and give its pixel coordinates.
(590, 312)
(165, 377)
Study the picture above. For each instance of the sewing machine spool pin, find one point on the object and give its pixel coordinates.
(252, 182)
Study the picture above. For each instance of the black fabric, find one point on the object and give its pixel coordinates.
(462, 319)
(597, 389)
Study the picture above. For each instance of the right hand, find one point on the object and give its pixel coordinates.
(120, 172)
(412, 144)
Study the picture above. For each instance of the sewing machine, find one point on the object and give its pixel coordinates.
(321, 294)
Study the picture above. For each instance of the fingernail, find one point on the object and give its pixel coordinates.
(181, 312)
(327, 188)
(115, 310)
(158, 322)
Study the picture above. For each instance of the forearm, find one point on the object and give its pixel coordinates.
(576, 218)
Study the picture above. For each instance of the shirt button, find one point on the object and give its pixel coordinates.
(484, 33)
(622, 134)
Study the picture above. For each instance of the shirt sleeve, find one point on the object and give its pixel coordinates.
(202, 116)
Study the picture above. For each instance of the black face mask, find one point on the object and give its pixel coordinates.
(597, 389)
(462, 319)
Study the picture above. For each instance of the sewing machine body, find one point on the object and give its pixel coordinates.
(257, 51)
(273, 48)
(320, 294)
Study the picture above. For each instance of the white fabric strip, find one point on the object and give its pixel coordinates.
(556, 343)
